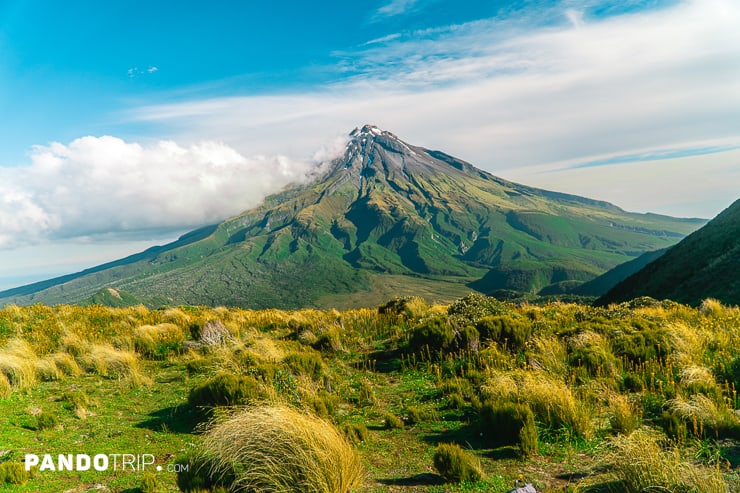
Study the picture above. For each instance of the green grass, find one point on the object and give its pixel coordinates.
(671, 367)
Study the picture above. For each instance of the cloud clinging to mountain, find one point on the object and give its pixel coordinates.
(107, 186)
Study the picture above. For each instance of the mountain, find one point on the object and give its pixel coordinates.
(599, 286)
(706, 264)
(384, 219)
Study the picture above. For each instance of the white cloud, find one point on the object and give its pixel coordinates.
(504, 96)
(395, 7)
(106, 186)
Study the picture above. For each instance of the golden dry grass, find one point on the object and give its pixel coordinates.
(18, 364)
(277, 448)
(642, 465)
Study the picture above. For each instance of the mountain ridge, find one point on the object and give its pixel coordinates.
(705, 264)
(383, 211)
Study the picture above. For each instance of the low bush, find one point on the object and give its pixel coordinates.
(435, 335)
(226, 389)
(277, 448)
(455, 465)
(473, 307)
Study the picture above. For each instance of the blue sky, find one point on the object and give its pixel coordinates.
(126, 123)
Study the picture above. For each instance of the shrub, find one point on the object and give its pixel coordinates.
(409, 307)
(508, 423)
(392, 422)
(13, 473)
(435, 334)
(323, 404)
(46, 420)
(225, 389)
(455, 465)
(508, 331)
(642, 465)
(277, 448)
(475, 306)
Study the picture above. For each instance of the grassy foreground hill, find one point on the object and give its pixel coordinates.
(384, 219)
(705, 264)
(634, 397)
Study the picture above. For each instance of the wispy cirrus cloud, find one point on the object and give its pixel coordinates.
(396, 7)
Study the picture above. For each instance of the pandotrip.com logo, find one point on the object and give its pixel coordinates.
(98, 462)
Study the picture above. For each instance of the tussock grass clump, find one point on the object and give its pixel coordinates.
(5, 389)
(554, 404)
(392, 422)
(356, 432)
(456, 465)
(66, 364)
(277, 448)
(226, 389)
(109, 362)
(508, 423)
(549, 354)
(46, 370)
(641, 464)
(149, 483)
(508, 331)
(309, 364)
(18, 364)
(623, 417)
(157, 341)
(711, 307)
(704, 417)
(13, 473)
(46, 420)
(591, 350)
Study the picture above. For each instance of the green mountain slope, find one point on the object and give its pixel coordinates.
(384, 214)
(706, 264)
(599, 286)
